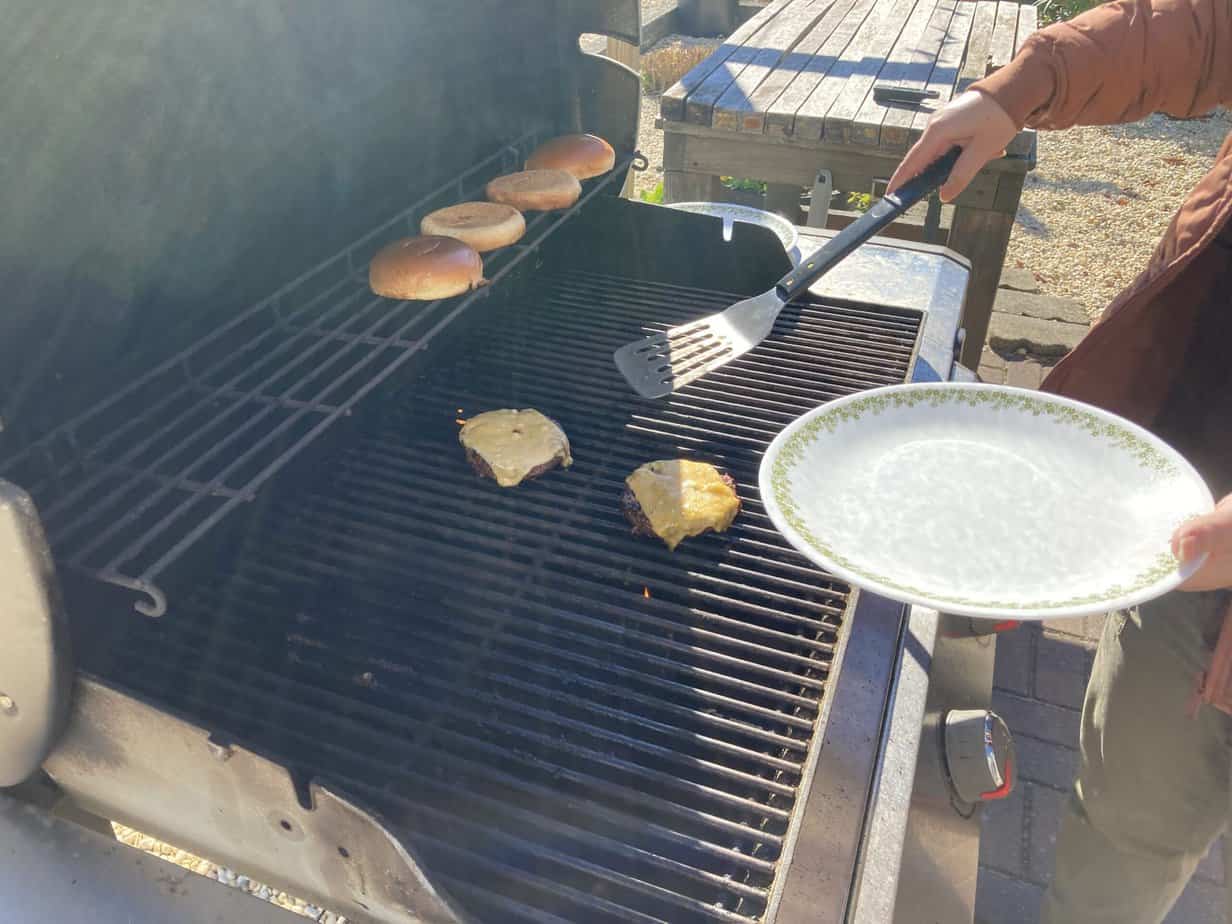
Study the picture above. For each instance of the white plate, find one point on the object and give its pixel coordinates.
(983, 500)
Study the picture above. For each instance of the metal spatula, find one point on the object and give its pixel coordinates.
(663, 363)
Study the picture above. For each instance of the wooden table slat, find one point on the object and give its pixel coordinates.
(1003, 33)
(838, 98)
(792, 65)
(672, 102)
(979, 47)
(909, 66)
(781, 118)
(772, 44)
(949, 61)
(1028, 22)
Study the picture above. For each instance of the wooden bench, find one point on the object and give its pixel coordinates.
(790, 94)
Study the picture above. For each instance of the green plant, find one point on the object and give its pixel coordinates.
(653, 195)
(859, 201)
(743, 184)
(1051, 11)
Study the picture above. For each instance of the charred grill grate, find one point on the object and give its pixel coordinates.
(569, 723)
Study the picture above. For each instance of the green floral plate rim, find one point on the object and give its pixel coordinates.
(1151, 453)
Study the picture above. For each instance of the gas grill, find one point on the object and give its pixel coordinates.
(290, 629)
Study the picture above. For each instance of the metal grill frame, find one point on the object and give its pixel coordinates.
(815, 874)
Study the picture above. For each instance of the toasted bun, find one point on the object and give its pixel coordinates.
(425, 268)
(483, 225)
(582, 155)
(536, 190)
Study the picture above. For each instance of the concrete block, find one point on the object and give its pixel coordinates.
(1019, 279)
(1044, 307)
(1043, 762)
(1040, 720)
(1024, 373)
(1044, 809)
(1002, 834)
(1062, 665)
(1211, 867)
(1015, 659)
(1000, 899)
(1202, 902)
(1009, 332)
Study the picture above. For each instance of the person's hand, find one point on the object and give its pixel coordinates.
(976, 124)
(1207, 535)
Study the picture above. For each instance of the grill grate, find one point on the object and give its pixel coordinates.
(569, 722)
(128, 487)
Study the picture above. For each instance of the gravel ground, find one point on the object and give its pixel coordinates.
(1097, 203)
(649, 138)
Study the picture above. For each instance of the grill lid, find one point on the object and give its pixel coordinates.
(168, 164)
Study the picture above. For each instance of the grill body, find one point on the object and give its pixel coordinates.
(309, 641)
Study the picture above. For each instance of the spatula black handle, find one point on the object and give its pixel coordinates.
(881, 213)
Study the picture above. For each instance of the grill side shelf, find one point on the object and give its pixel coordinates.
(129, 487)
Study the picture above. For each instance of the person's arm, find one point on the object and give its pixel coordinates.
(1209, 535)
(1115, 63)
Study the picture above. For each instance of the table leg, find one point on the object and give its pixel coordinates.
(784, 199)
(982, 237)
(679, 186)
(709, 17)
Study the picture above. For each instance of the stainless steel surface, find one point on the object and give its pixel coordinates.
(54, 870)
(125, 760)
(815, 885)
(876, 881)
(664, 363)
(940, 859)
(35, 661)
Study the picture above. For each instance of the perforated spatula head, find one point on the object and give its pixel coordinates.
(663, 363)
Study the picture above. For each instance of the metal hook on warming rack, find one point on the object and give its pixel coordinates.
(639, 162)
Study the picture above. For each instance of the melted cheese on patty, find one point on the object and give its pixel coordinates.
(514, 443)
(681, 498)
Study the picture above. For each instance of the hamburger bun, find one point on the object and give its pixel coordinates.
(582, 155)
(425, 268)
(536, 190)
(484, 225)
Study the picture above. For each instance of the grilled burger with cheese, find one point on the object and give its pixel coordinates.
(511, 446)
(678, 498)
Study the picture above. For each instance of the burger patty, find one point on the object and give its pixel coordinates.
(481, 467)
(633, 512)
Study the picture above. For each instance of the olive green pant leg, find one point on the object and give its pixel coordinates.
(1153, 787)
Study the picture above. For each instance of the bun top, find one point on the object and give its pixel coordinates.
(483, 225)
(582, 155)
(425, 268)
(536, 190)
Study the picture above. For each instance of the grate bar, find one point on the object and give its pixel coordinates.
(505, 757)
(387, 462)
(718, 700)
(596, 564)
(447, 563)
(489, 833)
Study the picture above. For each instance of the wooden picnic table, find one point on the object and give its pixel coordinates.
(790, 93)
